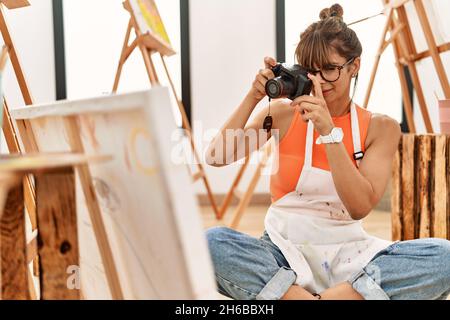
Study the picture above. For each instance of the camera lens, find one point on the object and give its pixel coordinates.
(280, 87)
(273, 88)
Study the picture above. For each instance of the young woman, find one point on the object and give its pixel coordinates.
(314, 246)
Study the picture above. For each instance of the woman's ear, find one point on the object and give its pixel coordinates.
(355, 66)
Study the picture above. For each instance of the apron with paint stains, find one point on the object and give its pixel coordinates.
(313, 229)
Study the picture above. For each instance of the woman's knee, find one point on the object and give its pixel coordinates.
(440, 250)
(218, 241)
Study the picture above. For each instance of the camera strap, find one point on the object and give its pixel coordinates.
(267, 125)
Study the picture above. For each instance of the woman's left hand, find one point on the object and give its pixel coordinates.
(315, 108)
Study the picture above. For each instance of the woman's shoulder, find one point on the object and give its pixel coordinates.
(282, 112)
(382, 126)
(283, 116)
(378, 120)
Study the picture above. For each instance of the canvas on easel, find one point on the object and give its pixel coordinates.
(15, 4)
(151, 37)
(150, 23)
(149, 210)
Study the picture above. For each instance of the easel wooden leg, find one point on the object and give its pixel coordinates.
(226, 202)
(15, 59)
(149, 65)
(58, 239)
(406, 37)
(244, 201)
(407, 99)
(13, 147)
(432, 47)
(377, 61)
(14, 267)
(122, 57)
(187, 127)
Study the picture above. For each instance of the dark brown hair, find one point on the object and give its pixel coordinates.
(324, 36)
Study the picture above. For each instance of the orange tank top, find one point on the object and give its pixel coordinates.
(291, 150)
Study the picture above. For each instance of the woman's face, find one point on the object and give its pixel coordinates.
(339, 89)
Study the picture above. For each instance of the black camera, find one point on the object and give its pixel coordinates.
(290, 81)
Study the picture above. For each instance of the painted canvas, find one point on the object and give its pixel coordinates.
(14, 4)
(149, 211)
(149, 20)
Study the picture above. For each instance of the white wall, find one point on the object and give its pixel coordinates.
(32, 31)
(229, 40)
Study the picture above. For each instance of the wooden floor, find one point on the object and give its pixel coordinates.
(377, 223)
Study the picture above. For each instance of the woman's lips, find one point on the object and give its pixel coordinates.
(325, 92)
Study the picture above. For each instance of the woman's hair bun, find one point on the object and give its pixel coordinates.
(335, 10)
(325, 13)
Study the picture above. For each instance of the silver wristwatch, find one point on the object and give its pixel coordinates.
(336, 135)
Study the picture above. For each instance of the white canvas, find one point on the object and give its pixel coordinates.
(147, 200)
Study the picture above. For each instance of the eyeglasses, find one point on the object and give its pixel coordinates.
(331, 73)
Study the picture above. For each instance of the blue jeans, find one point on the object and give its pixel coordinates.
(248, 268)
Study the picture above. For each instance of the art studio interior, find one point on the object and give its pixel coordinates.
(225, 150)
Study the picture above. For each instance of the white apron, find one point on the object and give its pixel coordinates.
(313, 229)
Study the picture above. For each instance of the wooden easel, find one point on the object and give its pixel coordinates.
(8, 128)
(244, 198)
(405, 52)
(30, 146)
(149, 44)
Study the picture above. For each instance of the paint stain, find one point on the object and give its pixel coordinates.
(40, 122)
(127, 159)
(140, 149)
(107, 197)
(89, 125)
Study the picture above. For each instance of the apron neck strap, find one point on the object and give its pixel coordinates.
(356, 137)
(309, 144)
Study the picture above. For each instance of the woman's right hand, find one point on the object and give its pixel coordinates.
(258, 90)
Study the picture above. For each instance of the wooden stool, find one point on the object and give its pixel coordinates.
(421, 187)
(56, 244)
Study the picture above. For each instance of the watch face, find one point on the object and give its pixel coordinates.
(337, 134)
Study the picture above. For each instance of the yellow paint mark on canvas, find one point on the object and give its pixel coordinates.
(153, 19)
(140, 133)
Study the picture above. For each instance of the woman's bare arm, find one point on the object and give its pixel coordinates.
(237, 138)
(360, 190)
